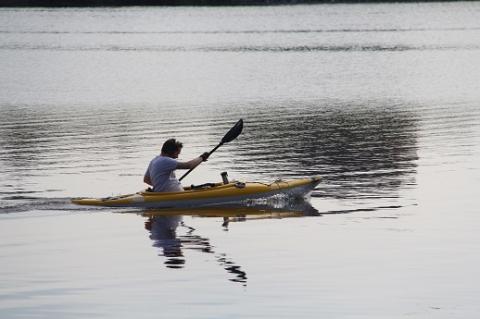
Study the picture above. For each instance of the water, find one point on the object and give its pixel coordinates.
(382, 100)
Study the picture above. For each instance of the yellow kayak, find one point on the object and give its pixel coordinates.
(208, 194)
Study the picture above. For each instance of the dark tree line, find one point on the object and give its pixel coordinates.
(93, 3)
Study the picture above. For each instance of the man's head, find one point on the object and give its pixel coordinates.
(172, 148)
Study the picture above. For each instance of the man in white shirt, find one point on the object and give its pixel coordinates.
(161, 171)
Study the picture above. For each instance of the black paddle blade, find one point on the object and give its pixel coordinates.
(233, 133)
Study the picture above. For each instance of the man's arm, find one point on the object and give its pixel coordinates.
(147, 180)
(190, 164)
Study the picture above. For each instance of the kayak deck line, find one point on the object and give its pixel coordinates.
(209, 195)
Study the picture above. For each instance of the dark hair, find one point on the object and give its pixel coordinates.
(171, 146)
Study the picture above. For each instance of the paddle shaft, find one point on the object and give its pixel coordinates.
(230, 136)
(210, 153)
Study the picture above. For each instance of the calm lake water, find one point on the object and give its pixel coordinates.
(381, 100)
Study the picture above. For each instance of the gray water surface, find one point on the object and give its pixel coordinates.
(381, 100)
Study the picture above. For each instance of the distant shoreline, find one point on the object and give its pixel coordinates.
(120, 3)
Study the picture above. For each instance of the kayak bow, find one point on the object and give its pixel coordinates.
(209, 195)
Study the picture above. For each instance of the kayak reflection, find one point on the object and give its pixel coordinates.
(163, 232)
(241, 213)
(164, 226)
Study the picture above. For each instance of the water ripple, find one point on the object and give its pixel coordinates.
(246, 48)
(358, 149)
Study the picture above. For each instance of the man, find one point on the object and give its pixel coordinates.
(161, 171)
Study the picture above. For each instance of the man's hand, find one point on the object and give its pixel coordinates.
(205, 156)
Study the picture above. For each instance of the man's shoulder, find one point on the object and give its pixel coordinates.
(164, 160)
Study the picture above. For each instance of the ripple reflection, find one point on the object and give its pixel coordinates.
(163, 232)
(165, 224)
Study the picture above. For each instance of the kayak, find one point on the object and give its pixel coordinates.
(209, 194)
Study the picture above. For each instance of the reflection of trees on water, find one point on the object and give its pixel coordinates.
(41, 138)
(163, 232)
(360, 151)
(19, 136)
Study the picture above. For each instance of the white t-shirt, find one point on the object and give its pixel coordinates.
(162, 174)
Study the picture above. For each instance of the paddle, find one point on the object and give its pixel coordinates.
(230, 136)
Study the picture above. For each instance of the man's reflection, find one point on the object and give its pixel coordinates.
(163, 233)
